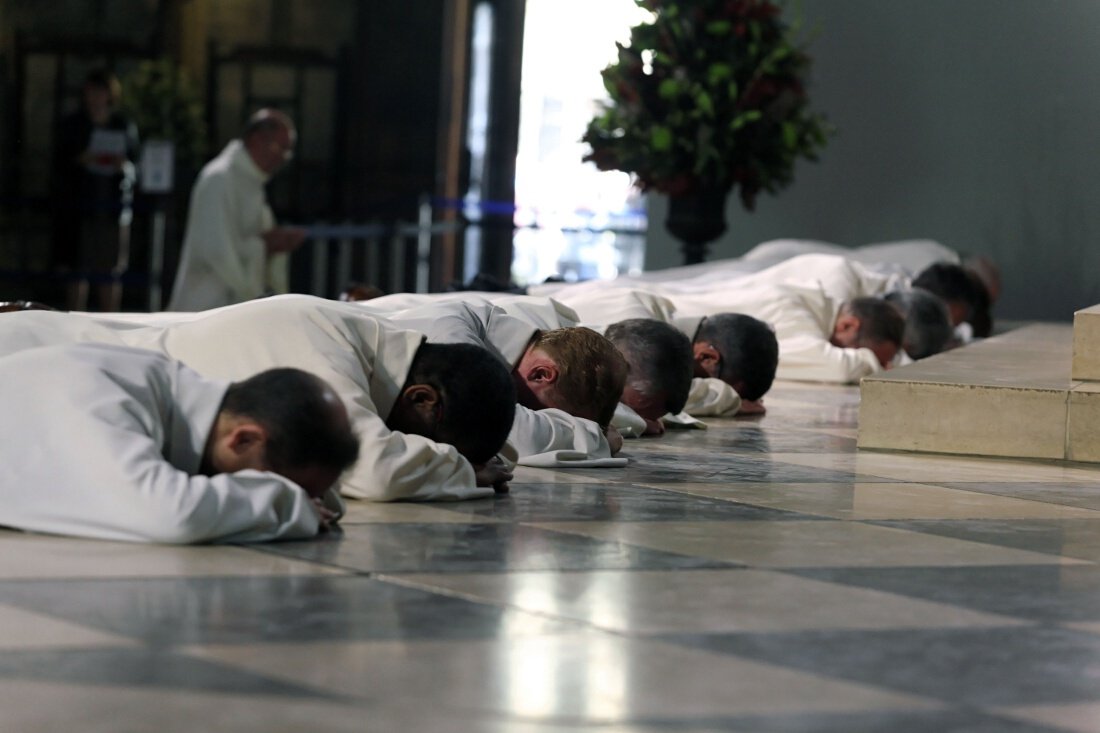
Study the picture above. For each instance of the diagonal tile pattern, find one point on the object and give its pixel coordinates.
(761, 575)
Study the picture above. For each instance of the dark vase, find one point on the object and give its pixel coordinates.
(697, 219)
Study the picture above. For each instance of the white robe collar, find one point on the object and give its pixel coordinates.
(197, 401)
(688, 325)
(240, 160)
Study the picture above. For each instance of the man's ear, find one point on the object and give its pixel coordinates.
(544, 373)
(846, 330)
(707, 357)
(246, 437)
(422, 397)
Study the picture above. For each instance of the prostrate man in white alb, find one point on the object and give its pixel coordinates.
(730, 350)
(735, 356)
(928, 328)
(126, 444)
(232, 250)
(426, 414)
(820, 339)
(659, 377)
(542, 313)
(902, 259)
(805, 265)
(568, 380)
(843, 279)
(707, 397)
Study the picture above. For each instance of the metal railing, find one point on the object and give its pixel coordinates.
(395, 257)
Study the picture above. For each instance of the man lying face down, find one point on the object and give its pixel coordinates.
(660, 368)
(820, 338)
(708, 395)
(870, 323)
(928, 328)
(568, 380)
(455, 394)
(579, 372)
(405, 401)
(127, 444)
(571, 369)
(740, 351)
(966, 294)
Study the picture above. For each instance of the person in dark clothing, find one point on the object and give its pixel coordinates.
(93, 174)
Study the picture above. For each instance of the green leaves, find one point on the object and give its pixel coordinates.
(670, 88)
(719, 27)
(745, 118)
(718, 73)
(704, 103)
(719, 100)
(661, 139)
(790, 135)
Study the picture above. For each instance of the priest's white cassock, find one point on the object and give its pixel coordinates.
(364, 360)
(106, 441)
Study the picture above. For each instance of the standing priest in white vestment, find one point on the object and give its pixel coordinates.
(232, 250)
(126, 444)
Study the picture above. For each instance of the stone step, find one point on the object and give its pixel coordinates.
(1010, 395)
(1086, 344)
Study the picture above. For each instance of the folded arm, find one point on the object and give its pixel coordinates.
(536, 432)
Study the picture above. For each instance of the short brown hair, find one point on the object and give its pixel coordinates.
(591, 371)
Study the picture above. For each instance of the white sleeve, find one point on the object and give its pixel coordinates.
(629, 423)
(213, 240)
(277, 267)
(395, 466)
(118, 486)
(711, 397)
(319, 337)
(540, 432)
(247, 506)
(901, 359)
(814, 359)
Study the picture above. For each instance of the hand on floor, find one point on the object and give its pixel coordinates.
(751, 407)
(614, 439)
(493, 473)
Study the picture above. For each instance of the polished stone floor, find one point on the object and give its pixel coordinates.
(757, 576)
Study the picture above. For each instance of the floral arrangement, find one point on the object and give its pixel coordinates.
(160, 99)
(708, 94)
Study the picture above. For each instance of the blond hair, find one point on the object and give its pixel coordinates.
(591, 371)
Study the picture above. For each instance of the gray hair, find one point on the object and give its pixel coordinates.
(927, 321)
(748, 349)
(659, 357)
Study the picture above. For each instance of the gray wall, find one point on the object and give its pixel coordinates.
(972, 122)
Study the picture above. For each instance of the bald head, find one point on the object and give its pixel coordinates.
(269, 138)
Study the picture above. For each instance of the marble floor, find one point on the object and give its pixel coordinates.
(761, 575)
